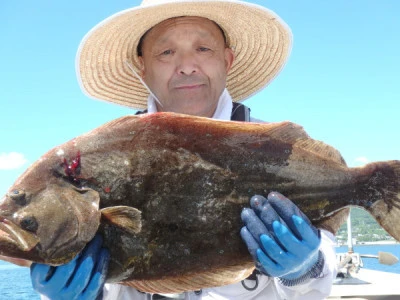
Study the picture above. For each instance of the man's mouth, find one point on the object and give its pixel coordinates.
(189, 86)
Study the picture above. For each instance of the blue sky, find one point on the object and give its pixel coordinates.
(342, 82)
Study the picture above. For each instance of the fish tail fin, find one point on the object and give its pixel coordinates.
(335, 221)
(380, 185)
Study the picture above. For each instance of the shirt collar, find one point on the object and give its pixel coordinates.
(222, 112)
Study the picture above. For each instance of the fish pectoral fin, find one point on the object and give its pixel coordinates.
(124, 217)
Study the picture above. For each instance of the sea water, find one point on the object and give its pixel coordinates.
(15, 282)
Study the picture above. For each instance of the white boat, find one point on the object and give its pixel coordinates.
(356, 282)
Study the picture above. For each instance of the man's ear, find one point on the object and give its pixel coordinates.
(229, 58)
(141, 67)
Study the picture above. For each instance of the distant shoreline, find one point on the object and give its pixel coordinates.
(378, 243)
(370, 243)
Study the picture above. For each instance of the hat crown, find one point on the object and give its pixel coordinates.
(152, 2)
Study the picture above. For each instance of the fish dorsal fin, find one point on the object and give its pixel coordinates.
(295, 134)
(287, 132)
(121, 122)
(321, 149)
(124, 217)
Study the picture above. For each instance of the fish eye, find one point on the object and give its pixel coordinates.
(18, 196)
(29, 223)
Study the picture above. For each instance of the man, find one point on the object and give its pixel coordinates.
(199, 58)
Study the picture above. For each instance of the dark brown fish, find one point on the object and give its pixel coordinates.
(166, 192)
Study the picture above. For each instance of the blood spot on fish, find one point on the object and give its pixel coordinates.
(72, 170)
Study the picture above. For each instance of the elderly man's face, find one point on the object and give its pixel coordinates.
(185, 63)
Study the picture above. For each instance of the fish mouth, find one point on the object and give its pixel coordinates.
(14, 239)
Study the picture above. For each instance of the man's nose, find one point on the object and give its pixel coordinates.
(187, 64)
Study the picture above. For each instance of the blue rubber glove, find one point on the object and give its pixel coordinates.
(81, 278)
(281, 239)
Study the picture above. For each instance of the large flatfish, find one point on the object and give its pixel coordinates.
(166, 191)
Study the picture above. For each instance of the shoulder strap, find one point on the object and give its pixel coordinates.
(139, 112)
(240, 112)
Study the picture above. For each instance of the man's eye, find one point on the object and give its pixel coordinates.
(204, 49)
(166, 52)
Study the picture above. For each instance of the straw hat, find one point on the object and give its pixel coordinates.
(260, 39)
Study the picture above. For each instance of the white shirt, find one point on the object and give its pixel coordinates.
(268, 287)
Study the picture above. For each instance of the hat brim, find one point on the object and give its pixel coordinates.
(260, 39)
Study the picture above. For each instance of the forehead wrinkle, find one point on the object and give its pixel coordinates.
(166, 28)
(187, 33)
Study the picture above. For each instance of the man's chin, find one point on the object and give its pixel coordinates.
(191, 112)
(192, 107)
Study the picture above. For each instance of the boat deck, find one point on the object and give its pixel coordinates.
(367, 284)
